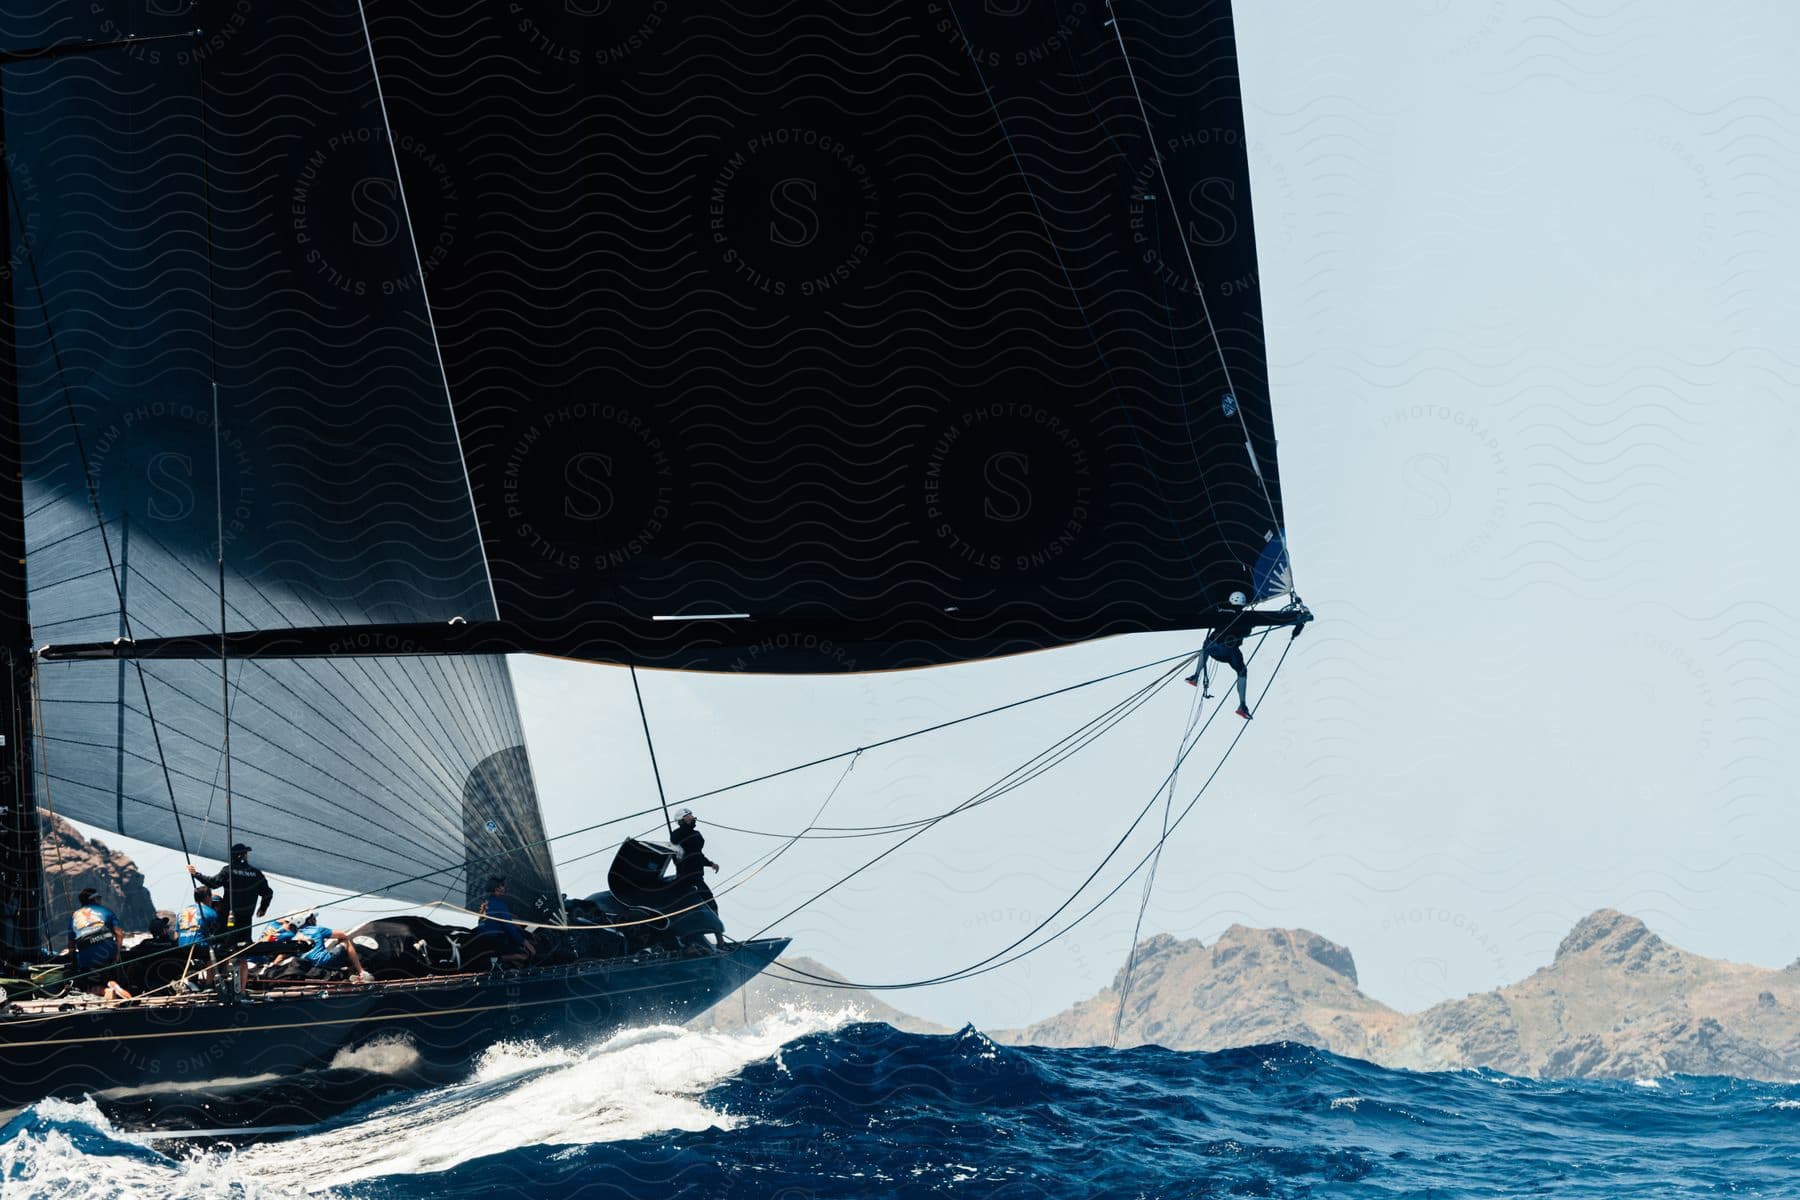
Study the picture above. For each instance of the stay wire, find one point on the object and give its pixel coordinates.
(382, 889)
(1041, 762)
(1146, 692)
(974, 716)
(650, 745)
(996, 960)
(1150, 879)
(212, 315)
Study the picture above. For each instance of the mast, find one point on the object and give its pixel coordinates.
(21, 863)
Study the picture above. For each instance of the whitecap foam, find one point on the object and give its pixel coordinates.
(638, 1082)
(72, 1152)
(1646, 1083)
(391, 1055)
(1350, 1102)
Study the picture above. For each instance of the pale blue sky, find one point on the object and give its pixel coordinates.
(1531, 274)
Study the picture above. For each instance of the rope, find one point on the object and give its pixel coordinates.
(1130, 704)
(649, 744)
(996, 960)
(212, 314)
(1150, 878)
(1145, 693)
(412, 240)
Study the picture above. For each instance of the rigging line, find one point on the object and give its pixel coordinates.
(93, 494)
(37, 704)
(986, 712)
(212, 336)
(1199, 285)
(412, 240)
(1092, 875)
(1187, 415)
(1035, 767)
(382, 889)
(1150, 879)
(986, 965)
(651, 746)
(1040, 763)
(1150, 689)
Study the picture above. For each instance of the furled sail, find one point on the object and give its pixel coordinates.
(914, 333)
(224, 206)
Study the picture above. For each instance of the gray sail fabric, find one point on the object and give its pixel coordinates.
(225, 208)
(404, 776)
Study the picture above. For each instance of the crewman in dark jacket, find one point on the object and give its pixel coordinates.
(1227, 647)
(690, 868)
(247, 897)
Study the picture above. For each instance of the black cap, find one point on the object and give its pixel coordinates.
(88, 895)
(495, 881)
(240, 848)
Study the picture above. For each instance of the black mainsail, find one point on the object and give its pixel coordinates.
(192, 370)
(759, 338)
(934, 330)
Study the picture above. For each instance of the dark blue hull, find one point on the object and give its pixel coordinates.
(182, 1050)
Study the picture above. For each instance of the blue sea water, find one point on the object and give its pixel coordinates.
(810, 1106)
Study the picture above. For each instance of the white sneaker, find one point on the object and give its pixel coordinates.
(364, 977)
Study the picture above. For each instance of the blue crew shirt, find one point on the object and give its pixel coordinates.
(94, 930)
(324, 952)
(195, 923)
(497, 917)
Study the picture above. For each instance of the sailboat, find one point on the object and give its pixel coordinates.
(346, 350)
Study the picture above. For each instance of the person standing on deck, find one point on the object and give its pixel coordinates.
(690, 868)
(247, 898)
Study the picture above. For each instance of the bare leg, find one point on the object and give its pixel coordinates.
(349, 945)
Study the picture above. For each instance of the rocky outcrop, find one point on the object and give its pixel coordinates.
(1617, 1002)
(1250, 987)
(73, 862)
(776, 989)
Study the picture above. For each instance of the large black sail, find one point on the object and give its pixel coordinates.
(915, 332)
(225, 207)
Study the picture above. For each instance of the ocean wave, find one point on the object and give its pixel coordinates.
(820, 1103)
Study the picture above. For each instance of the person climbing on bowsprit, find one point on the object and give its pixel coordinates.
(1227, 647)
(690, 868)
(247, 898)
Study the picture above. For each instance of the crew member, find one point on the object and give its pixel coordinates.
(196, 926)
(95, 942)
(1227, 647)
(247, 897)
(690, 868)
(329, 949)
(497, 921)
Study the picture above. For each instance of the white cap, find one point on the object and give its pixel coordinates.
(684, 814)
